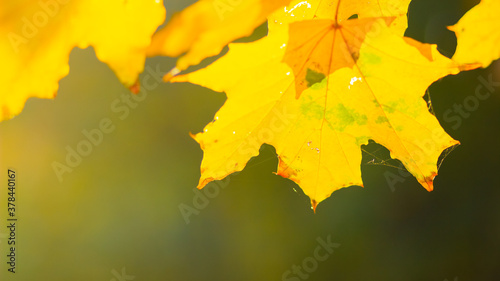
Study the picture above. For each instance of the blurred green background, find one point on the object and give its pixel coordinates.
(118, 211)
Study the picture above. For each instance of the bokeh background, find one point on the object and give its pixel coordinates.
(118, 211)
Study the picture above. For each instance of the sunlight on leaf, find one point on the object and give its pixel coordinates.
(375, 94)
(342, 10)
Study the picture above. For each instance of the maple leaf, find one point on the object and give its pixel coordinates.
(478, 34)
(204, 28)
(375, 92)
(36, 38)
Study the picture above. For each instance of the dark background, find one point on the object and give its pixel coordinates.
(120, 207)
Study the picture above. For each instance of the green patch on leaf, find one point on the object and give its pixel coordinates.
(381, 119)
(311, 109)
(389, 109)
(372, 58)
(362, 140)
(347, 117)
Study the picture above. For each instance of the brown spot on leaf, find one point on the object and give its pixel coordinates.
(314, 204)
(355, 55)
(136, 87)
(284, 170)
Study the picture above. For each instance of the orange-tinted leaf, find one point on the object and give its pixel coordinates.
(36, 38)
(320, 47)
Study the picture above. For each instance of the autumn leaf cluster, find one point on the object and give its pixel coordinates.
(329, 76)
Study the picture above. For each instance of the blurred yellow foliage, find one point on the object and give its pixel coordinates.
(36, 38)
(204, 28)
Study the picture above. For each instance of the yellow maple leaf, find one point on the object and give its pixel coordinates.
(36, 38)
(478, 34)
(204, 28)
(374, 91)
